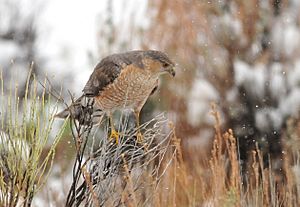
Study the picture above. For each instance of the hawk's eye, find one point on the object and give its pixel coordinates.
(165, 65)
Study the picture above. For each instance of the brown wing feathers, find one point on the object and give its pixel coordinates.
(103, 75)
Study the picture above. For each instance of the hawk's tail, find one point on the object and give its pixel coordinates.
(83, 111)
(63, 114)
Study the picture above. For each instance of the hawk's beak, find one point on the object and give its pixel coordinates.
(170, 70)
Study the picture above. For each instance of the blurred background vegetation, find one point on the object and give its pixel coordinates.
(242, 55)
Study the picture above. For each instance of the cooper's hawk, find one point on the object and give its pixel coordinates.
(124, 81)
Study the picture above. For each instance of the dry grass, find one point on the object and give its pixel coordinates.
(185, 181)
(219, 182)
(181, 180)
(107, 173)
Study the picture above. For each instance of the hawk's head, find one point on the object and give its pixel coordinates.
(159, 62)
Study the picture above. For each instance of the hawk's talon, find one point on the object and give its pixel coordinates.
(114, 135)
(146, 148)
(139, 137)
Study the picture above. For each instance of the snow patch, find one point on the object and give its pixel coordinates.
(252, 78)
(290, 105)
(267, 119)
(199, 99)
(8, 51)
(277, 83)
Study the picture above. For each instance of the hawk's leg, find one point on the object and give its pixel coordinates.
(139, 136)
(113, 133)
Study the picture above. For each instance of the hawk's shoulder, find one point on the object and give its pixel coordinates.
(108, 69)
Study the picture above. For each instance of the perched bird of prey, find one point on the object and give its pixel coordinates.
(124, 81)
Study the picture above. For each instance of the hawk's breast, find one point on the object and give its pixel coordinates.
(130, 90)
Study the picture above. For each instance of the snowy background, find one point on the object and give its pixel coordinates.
(243, 56)
(67, 34)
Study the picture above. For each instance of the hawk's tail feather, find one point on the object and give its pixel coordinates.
(63, 114)
(81, 110)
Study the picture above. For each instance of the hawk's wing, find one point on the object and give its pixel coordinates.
(108, 70)
(102, 76)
